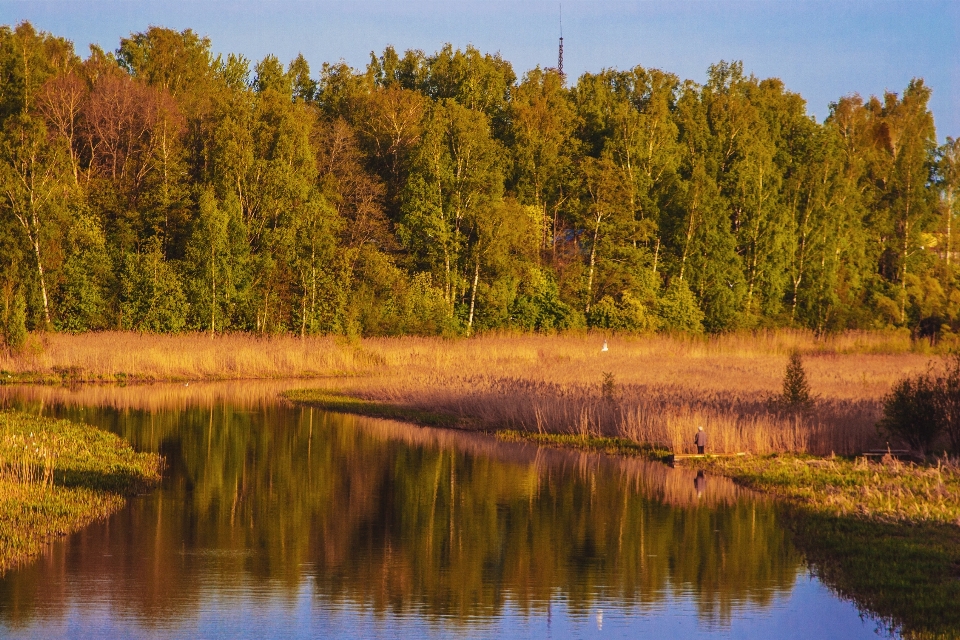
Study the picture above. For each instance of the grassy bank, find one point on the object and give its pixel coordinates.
(332, 400)
(887, 491)
(886, 534)
(586, 442)
(907, 573)
(57, 476)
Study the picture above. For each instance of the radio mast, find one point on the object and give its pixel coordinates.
(560, 58)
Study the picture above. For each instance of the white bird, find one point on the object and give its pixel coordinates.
(605, 348)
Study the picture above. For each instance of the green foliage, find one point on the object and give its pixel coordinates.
(151, 295)
(911, 413)
(84, 289)
(678, 309)
(265, 199)
(423, 311)
(629, 314)
(539, 308)
(15, 323)
(796, 389)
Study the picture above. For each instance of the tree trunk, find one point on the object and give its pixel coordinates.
(593, 262)
(43, 283)
(473, 294)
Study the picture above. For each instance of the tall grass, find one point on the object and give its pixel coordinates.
(58, 476)
(654, 389)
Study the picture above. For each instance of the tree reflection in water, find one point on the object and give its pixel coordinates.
(396, 519)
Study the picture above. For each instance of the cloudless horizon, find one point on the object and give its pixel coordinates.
(821, 50)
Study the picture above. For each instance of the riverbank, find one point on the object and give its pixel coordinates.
(57, 476)
(886, 491)
(885, 534)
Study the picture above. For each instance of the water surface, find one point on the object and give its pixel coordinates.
(278, 521)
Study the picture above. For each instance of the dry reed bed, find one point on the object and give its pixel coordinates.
(659, 387)
(664, 415)
(110, 356)
(158, 396)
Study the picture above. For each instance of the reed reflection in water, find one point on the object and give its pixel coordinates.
(354, 522)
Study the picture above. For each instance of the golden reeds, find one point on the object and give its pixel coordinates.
(653, 389)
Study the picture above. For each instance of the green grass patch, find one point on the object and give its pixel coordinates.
(57, 476)
(883, 534)
(613, 446)
(908, 574)
(332, 400)
(888, 491)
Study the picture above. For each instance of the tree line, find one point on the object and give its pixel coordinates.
(160, 187)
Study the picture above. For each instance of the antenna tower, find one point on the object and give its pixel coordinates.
(560, 59)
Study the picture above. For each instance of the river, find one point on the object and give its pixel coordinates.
(275, 521)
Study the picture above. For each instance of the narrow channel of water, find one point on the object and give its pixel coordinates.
(277, 521)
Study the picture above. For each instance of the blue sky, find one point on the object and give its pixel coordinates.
(822, 50)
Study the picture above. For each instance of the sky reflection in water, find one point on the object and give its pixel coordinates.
(279, 522)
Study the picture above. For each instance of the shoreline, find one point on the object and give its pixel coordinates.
(825, 484)
(892, 562)
(57, 477)
(894, 566)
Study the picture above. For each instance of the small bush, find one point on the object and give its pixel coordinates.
(948, 403)
(912, 412)
(608, 387)
(923, 409)
(796, 389)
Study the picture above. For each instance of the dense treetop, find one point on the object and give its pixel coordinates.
(162, 188)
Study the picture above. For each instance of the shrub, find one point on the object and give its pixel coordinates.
(912, 412)
(608, 388)
(796, 389)
(948, 402)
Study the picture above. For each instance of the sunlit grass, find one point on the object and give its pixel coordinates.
(341, 403)
(889, 491)
(587, 442)
(57, 476)
(653, 389)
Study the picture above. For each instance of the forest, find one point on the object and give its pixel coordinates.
(163, 188)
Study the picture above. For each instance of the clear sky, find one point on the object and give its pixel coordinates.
(820, 49)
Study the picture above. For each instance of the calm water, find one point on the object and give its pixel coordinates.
(277, 522)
